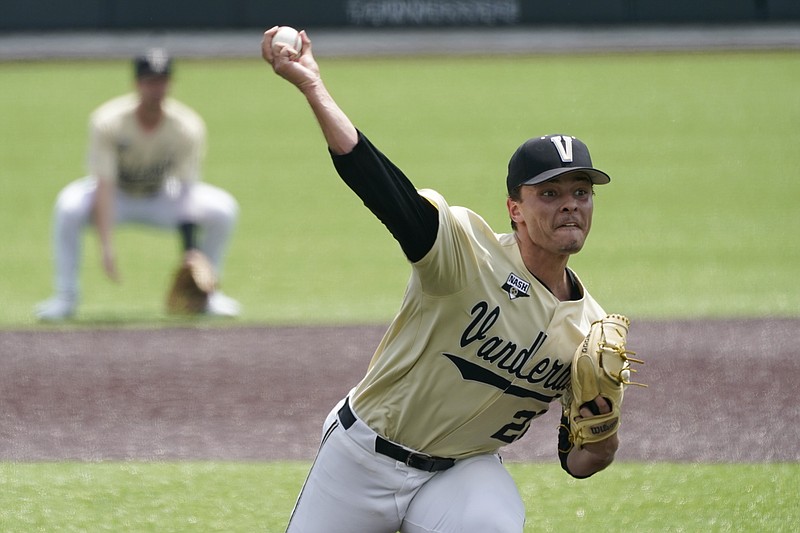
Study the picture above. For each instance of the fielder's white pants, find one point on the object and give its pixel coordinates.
(352, 488)
(214, 211)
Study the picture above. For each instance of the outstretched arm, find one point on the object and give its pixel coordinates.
(303, 73)
(383, 187)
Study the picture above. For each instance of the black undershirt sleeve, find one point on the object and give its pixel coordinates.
(565, 446)
(390, 195)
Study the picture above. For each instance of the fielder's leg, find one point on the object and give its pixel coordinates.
(72, 212)
(217, 212)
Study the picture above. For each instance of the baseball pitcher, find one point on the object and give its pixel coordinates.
(483, 344)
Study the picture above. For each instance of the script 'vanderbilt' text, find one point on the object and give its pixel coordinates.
(504, 354)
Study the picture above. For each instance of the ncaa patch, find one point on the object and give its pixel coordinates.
(516, 287)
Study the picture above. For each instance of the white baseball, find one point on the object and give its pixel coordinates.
(290, 37)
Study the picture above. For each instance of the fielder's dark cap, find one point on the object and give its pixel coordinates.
(544, 158)
(154, 62)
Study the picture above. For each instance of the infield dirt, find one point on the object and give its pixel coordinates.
(719, 391)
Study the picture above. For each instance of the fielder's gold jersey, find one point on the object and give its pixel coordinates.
(140, 161)
(478, 349)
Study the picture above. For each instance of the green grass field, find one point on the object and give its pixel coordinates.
(699, 219)
(233, 497)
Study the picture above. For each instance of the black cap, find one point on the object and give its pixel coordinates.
(155, 62)
(543, 158)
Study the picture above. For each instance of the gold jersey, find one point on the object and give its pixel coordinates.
(140, 161)
(478, 349)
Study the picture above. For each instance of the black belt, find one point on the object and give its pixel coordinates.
(417, 460)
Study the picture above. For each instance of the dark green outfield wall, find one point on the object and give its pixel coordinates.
(39, 15)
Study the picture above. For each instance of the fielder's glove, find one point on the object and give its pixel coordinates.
(600, 367)
(193, 282)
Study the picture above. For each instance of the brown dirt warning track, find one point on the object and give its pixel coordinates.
(719, 391)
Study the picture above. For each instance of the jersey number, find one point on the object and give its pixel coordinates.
(513, 431)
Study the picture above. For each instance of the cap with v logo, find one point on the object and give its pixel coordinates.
(544, 158)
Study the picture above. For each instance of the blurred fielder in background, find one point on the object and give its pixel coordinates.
(144, 158)
(481, 346)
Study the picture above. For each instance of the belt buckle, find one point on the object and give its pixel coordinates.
(417, 456)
